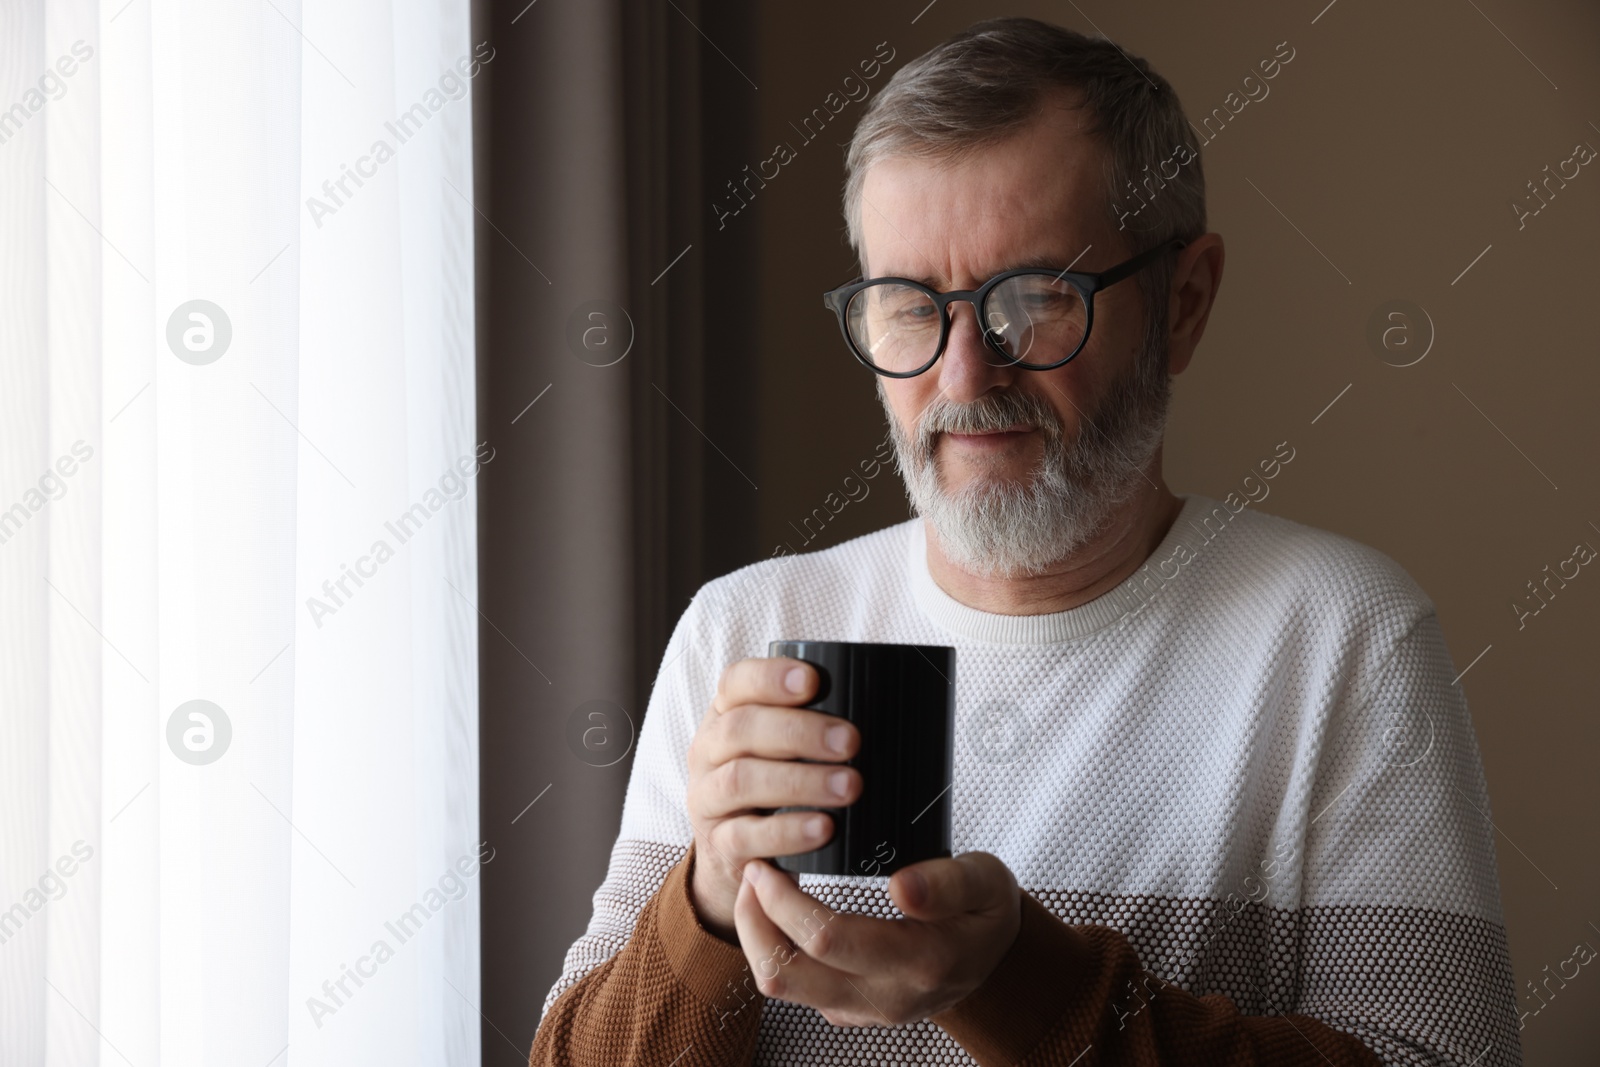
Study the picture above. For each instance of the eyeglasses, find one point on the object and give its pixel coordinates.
(1033, 317)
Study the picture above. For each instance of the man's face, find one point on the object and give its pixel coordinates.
(1015, 468)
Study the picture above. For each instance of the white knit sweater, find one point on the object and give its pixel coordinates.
(1250, 758)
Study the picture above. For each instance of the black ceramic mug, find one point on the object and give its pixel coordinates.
(902, 699)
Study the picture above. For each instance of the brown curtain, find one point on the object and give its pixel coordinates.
(623, 486)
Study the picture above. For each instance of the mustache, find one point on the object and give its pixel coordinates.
(990, 412)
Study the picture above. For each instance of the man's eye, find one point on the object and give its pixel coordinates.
(915, 315)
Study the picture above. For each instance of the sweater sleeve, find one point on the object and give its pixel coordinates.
(1077, 995)
(675, 994)
(1396, 947)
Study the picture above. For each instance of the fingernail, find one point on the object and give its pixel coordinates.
(754, 872)
(816, 826)
(795, 680)
(839, 782)
(838, 738)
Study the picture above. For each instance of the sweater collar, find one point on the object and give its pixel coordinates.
(949, 613)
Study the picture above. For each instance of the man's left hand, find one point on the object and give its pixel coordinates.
(962, 916)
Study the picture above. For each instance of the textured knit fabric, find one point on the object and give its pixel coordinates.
(1240, 791)
(673, 978)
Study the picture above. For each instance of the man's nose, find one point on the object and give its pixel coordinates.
(969, 367)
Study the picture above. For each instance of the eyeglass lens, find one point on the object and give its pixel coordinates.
(1033, 318)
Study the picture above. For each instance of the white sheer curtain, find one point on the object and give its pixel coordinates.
(264, 502)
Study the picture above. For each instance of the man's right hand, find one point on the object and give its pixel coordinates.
(743, 758)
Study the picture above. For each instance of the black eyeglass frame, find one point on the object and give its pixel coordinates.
(838, 301)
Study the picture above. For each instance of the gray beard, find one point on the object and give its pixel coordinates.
(994, 527)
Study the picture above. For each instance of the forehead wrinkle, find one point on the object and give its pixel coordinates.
(923, 255)
(1041, 177)
(1049, 255)
(967, 215)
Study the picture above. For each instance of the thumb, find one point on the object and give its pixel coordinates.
(944, 888)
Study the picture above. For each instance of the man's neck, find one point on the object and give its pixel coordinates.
(1095, 569)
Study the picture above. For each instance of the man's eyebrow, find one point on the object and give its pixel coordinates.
(1056, 263)
(1050, 263)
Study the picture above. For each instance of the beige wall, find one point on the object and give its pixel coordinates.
(1394, 140)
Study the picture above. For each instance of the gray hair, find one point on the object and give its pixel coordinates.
(992, 79)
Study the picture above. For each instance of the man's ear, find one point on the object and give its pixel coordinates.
(1195, 280)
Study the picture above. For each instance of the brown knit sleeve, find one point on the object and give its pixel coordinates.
(1076, 995)
(675, 994)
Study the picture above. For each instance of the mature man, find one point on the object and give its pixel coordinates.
(1236, 812)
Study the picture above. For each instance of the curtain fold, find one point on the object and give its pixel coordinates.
(605, 135)
(239, 688)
